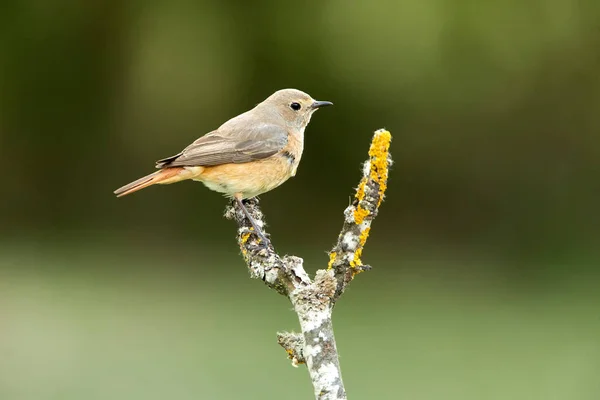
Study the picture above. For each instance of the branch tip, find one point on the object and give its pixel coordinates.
(293, 344)
(345, 257)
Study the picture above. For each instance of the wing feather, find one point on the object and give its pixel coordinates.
(230, 146)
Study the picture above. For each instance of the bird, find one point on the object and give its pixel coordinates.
(248, 155)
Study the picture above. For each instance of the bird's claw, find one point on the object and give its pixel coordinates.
(263, 242)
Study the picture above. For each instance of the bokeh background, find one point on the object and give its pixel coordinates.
(485, 255)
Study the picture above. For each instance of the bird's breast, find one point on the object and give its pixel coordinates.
(292, 152)
(250, 179)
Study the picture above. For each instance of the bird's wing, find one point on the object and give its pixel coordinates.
(230, 146)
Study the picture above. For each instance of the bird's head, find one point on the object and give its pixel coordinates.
(295, 106)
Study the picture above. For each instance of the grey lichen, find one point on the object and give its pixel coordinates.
(293, 344)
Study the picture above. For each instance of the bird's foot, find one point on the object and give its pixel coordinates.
(263, 241)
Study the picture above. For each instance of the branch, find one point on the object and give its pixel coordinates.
(313, 301)
(293, 344)
(344, 258)
(282, 274)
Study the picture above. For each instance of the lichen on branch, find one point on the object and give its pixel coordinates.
(345, 257)
(293, 344)
(281, 274)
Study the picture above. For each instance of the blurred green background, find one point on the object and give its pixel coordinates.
(485, 280)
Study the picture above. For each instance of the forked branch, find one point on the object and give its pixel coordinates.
(313, 300)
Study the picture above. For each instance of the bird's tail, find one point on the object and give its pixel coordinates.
(164, 176)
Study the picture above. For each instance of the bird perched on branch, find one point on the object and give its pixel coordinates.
(248, 155)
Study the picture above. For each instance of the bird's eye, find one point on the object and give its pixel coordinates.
(295, 106)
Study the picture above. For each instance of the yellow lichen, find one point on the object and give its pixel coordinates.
(379, 160)
(363, 236)
(378, 152)
(360, 214)
(360, 192)
(243, 240)
(332, 256)
(356, 261)
(356, 271)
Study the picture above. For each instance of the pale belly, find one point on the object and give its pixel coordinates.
(248, 179)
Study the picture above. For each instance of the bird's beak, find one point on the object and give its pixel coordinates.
(319, 104)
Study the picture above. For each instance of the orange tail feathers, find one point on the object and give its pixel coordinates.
(164, 176)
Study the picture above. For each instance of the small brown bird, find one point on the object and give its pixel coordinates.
(248, 155)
